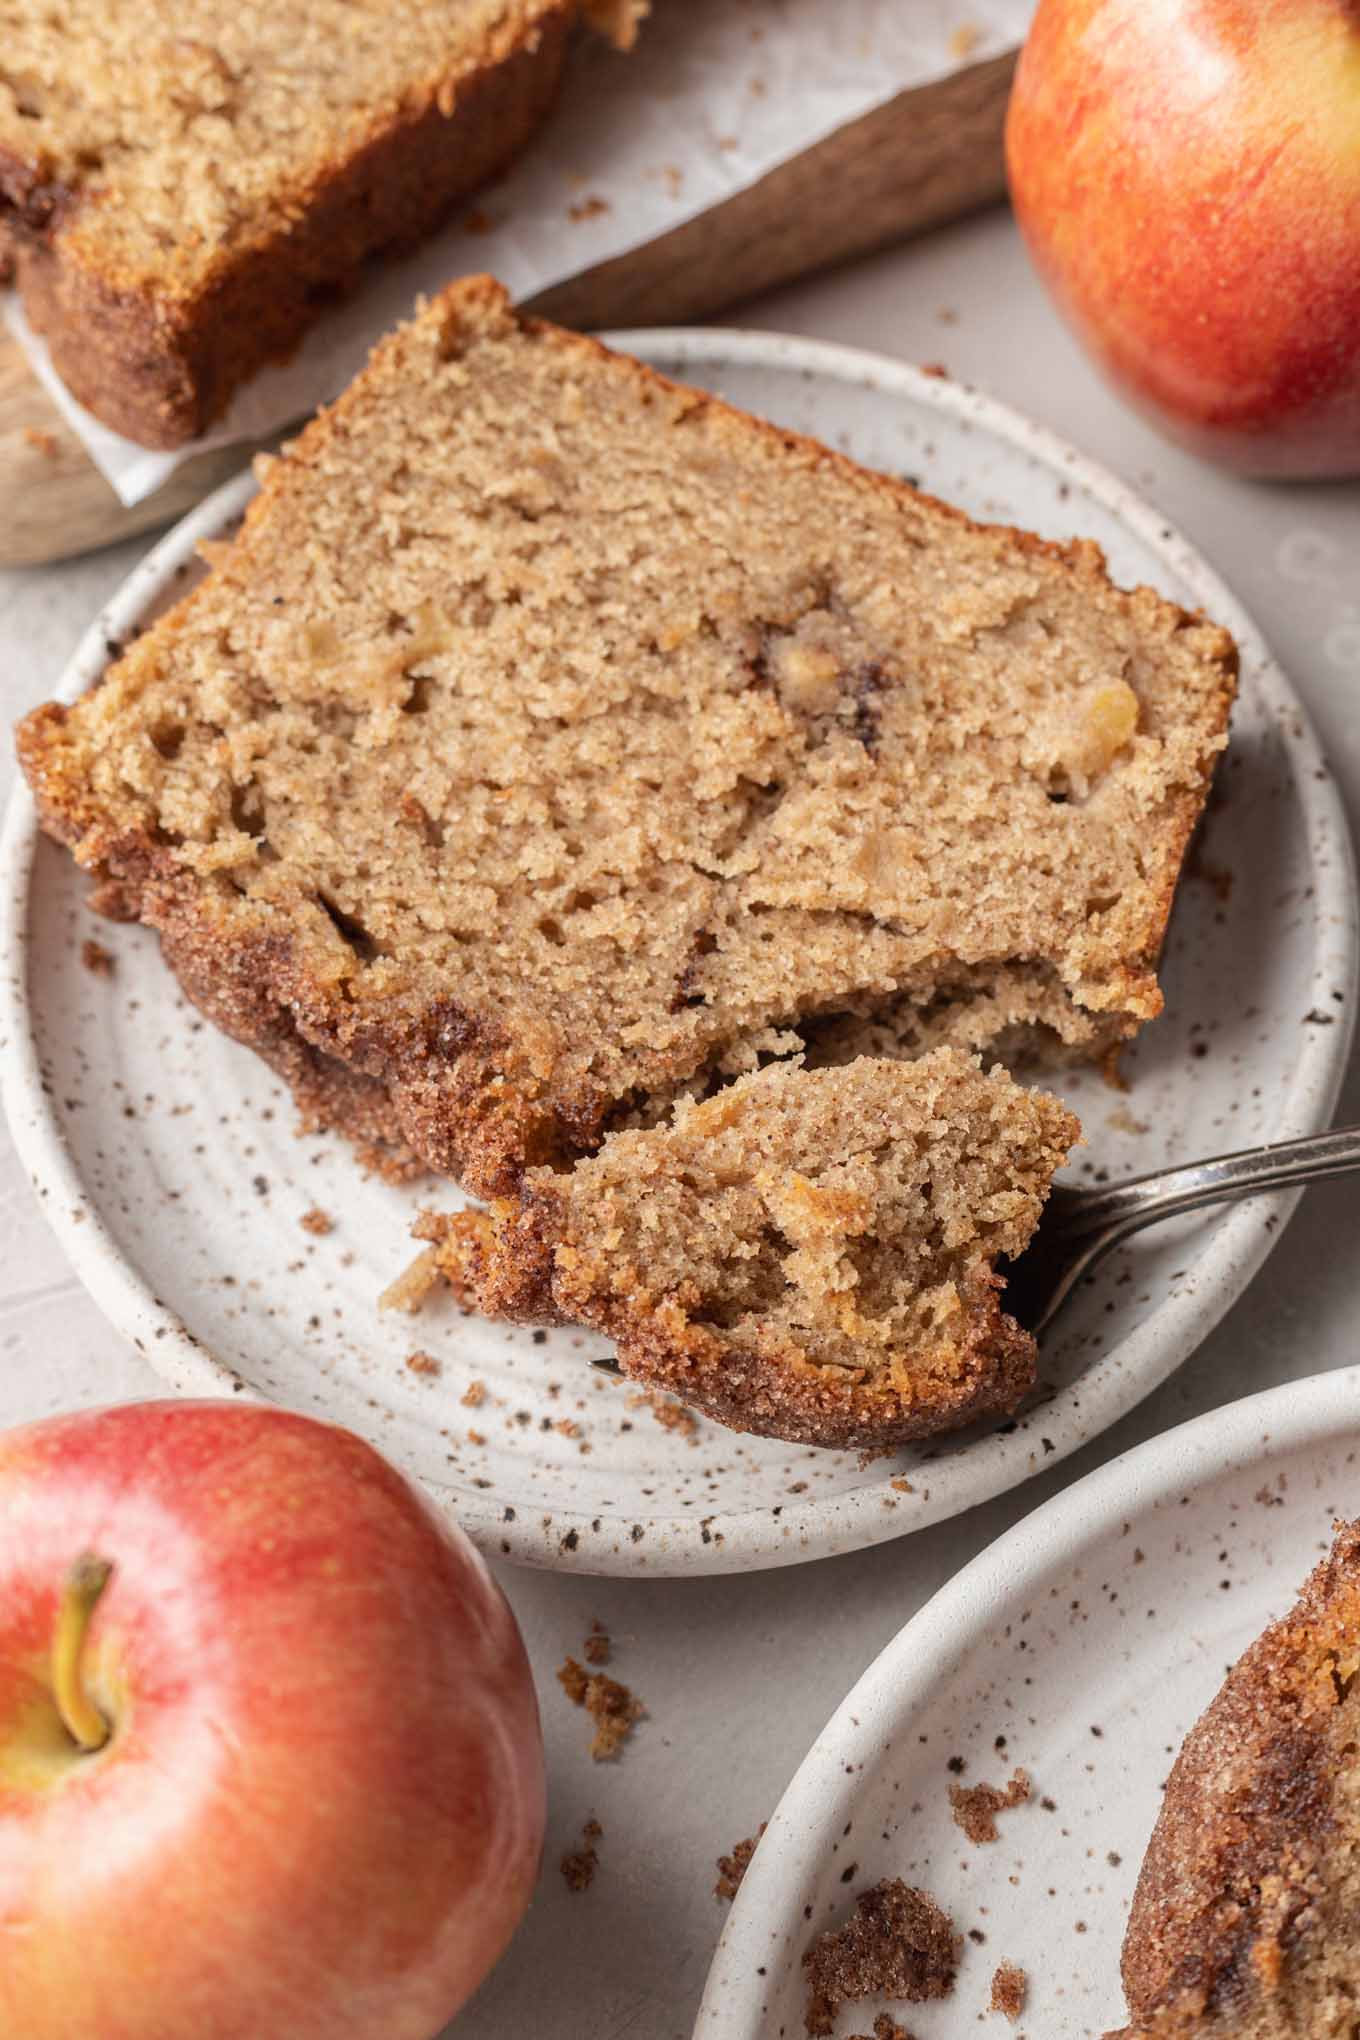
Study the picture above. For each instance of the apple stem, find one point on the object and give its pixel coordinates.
(80, 1593)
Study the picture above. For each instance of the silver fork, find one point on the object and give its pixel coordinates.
(1079, 1227)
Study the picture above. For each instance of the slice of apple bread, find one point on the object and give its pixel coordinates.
(554, 738)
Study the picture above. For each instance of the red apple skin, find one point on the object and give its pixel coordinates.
(320, 1812)
(1187, 176)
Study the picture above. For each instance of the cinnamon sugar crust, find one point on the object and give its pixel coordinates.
(555, 742)
(1243, 1921)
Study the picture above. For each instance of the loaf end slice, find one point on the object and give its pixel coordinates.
(554, 741)
(1243, 1922)
(181, 200)
(811, 1253)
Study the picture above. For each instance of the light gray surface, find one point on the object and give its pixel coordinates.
(739, 1674)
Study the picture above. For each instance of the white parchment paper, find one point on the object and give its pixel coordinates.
(715, 95)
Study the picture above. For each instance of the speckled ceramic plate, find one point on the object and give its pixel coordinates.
(1081, 1646)
(166, 1158)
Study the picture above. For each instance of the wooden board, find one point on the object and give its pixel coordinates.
(926, 156)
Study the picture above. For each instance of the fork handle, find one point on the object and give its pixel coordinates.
(1126, 1208)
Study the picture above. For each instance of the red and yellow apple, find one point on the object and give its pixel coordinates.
(1187, 176)
(281, 1778)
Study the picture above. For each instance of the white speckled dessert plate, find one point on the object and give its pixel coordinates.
(166, 1159)
(1081, 1647)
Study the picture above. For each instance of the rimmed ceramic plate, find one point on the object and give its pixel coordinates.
(166, 1159)
(1081, 1647)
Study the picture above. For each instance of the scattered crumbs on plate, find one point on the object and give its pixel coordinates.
(898, 1943)
(964, 41)
(409, 1290)
(977, 1806)
(672, 1416)
(1010, 1988)
(589, 208)
(317, 1222)
(473, 1396)
(423, 1363)
(99, 961)
(732, 1868)
(595, 1649)
(578, 1866)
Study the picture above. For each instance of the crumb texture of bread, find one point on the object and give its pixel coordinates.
(183, 191)
(554, 741)
(809, 1253)
(1243, 1921)
(898, 1944)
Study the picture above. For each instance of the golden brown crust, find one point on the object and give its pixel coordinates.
(1243, 1919)
(161, 370)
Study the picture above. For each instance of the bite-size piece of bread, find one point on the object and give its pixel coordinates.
(810, 1253)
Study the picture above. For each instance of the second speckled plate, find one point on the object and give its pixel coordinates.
(166, 1159)
(1081, 1647)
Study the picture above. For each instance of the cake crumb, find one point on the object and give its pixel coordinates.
(731, 1869)
(898, 1943)
(885, 2028)
(614, 1710)
(42, 442)
(672, 1416)
(423, 1363)
(99, 961)
(595, 1650)
(410, 1289)
(1010, 1988)
(317, 1222)
(589, 208)
(578, 1866)
(964, 41)
(976, 1806)
(473, 1396)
